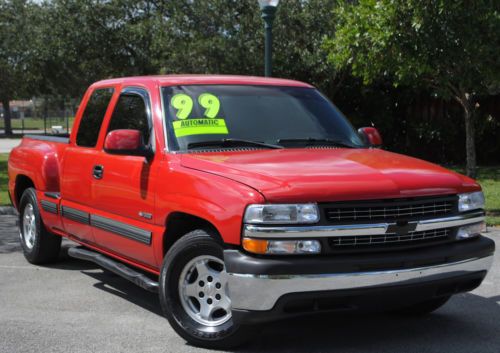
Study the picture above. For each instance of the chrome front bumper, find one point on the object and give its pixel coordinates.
(261, 292)
(255, 290)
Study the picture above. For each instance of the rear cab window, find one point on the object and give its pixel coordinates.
(93, 117)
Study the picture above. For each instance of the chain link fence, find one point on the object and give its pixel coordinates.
(40, 116)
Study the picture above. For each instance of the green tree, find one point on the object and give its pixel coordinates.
(83, 41)
(16, 32)
(450, 47)
(300, 29)
(227, 37)
(78, 42)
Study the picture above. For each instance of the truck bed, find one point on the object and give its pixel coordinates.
(50, 138)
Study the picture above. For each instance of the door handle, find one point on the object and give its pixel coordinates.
(98, 171)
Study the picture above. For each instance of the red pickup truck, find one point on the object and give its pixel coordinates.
(242, 200)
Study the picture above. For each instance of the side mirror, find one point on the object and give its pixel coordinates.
(371, 136)
(126, 142)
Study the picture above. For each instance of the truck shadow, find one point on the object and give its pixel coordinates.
(116, 285)
(467, 323)
(65, 262)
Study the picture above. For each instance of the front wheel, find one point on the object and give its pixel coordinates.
(194, 294)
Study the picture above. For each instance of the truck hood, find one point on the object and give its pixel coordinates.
(316, 175)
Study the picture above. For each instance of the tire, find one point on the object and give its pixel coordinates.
(423, 308)
(180, 275)
(39, 245)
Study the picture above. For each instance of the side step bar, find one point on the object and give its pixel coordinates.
(118, 268)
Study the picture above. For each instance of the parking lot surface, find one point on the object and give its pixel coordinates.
(75, 306)
(6, 145)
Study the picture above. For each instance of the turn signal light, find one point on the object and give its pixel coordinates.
(256, 246)
(281, 247)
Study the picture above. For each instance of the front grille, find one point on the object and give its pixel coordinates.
(392, 239)
(395, 212)
(389, 210)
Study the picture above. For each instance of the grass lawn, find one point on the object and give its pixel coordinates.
(4, 197)
(37, 124)
(488, 177)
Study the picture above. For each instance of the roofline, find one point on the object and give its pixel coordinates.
(170, 80)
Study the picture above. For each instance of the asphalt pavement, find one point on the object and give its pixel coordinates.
(6, 144)
(75, 306)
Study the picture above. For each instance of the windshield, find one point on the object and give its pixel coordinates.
(274, 115)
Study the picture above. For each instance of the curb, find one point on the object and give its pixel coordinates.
(8, 211)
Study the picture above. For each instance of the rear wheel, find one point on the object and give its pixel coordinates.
(194, 293)
(423, 308)
(39, 245)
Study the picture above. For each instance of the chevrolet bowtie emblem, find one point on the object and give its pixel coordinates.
(401, 227)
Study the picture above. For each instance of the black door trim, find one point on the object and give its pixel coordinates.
(125, 230)
(48, 206)
(107, 224)
(75, 215)
(53, 195)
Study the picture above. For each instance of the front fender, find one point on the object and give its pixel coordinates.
(215, 199)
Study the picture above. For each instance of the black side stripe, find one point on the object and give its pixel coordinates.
(49, 206)
(122, 229)
(75, 215)
(53, 195)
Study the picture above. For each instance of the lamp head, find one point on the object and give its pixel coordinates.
(268, 3)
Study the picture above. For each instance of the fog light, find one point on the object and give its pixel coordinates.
(471, 230)
(293, 247)
(281, 247)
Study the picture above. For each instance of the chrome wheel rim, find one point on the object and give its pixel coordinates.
(203, 291)
(29, 226)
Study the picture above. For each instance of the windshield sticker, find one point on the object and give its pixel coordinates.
(184, 105)
(210, 124)
(211, 103)
(200, 127)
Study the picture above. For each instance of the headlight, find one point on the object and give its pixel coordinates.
(282, 214)
(470, 201)
(281, 247)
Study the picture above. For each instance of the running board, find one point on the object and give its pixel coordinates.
(118, 268)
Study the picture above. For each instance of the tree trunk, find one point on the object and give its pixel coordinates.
(7, 116)
(470, 147)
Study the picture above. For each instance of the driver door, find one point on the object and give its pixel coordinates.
(123, 194)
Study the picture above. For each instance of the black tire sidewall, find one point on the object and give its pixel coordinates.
(193, 244)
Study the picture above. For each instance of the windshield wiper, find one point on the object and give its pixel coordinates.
(231, 142)
(310, 141)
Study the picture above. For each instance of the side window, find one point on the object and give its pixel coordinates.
(90, 125)
(131, 112)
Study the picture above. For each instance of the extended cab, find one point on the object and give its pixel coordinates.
(246, 199)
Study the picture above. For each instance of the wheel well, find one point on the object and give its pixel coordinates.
(180, 223)
(22, 183)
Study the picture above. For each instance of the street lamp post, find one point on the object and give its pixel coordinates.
(268, 8)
